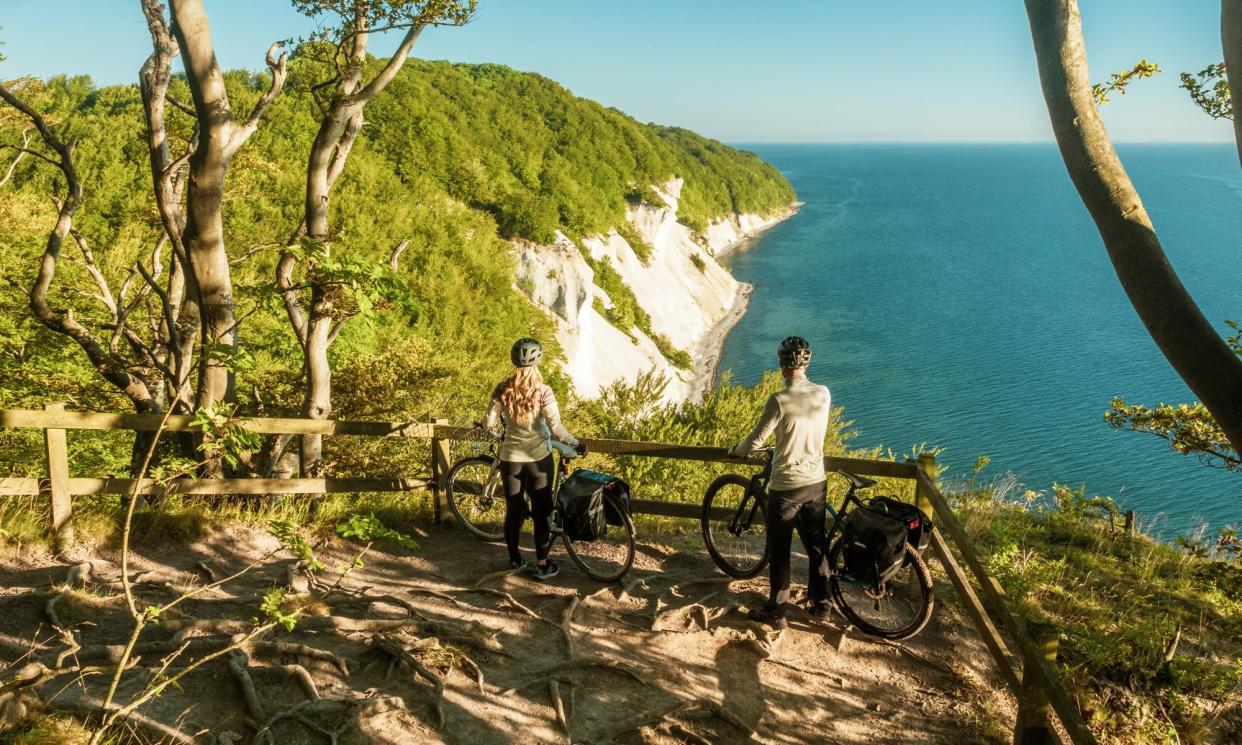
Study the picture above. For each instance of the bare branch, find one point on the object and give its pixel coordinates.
(396, 253)
(21, 153)
(293, 306)
(88, 258)
(277, 67)
(395, 62)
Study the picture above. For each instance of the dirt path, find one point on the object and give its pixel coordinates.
(672, 640)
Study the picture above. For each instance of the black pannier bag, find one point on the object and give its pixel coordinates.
(874, 545)
(918, 524)
(585, 514)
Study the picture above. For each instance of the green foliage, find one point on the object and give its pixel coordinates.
(1189, 428)
(291, 538)
(624, 312)
(223, 436)
(679, 357)
(642, 249)
(455, 158)
(368, 529)
(698, 262)
(1119, 81)
(538, 159)
(1119, 601)
(1209, 90)
(273, 607)
(384, 14)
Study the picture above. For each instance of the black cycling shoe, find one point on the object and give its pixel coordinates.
(819, 609)
(547, 571)
(774, 617)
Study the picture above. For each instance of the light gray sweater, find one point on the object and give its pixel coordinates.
(798, 415)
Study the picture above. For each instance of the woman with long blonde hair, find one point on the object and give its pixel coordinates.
(528, 408)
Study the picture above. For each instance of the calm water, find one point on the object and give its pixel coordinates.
(959, 296)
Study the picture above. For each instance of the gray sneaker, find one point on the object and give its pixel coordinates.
(547, 571)
(519, 564)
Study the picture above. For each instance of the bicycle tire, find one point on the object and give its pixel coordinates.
(919, 571)
(599, 559)
(463, 494)
(734, 559)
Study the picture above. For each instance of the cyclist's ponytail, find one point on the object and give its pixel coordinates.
(521, 396)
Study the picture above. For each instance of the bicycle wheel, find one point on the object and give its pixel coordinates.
(898, 610)
(733, 527)
(610, 556)
(476, 497)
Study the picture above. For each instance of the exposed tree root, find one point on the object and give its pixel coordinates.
(681, 733)
(567, 624)
(293, 649)
(558, 706)
(508, 598)
(239, 668)
(552, 672)
(676, 707)
(493, 575)
(50, 609)
(351, 625)
(206, 569)
(478, 671)
(438, 594)
(912, 654)
(394, 647)
(304, 679)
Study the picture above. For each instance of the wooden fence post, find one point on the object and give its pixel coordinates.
(927, 461)
(58, 481)
(1033, 726)
(1129, 521)
(439, 472)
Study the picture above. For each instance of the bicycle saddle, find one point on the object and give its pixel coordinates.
(856, 481)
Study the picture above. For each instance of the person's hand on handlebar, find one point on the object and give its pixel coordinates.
(581, 448)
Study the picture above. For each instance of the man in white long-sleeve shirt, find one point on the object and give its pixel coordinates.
(798, 416)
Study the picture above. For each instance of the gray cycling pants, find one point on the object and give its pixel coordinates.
(800, 509)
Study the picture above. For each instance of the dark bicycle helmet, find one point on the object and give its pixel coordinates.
(526, 352)
(794, 352)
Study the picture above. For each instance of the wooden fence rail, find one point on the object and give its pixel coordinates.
(1030, 672)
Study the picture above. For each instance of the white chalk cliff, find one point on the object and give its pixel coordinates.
(693, 307)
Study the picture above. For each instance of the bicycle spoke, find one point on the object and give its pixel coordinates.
(738, 543)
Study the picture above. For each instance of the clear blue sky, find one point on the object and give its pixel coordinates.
(800, 70)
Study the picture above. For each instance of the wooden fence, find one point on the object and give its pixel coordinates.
(1029, 672)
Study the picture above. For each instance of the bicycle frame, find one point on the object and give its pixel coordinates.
(745, 515)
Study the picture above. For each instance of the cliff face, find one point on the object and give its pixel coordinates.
(690, 298)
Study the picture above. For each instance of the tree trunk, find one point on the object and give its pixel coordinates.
(337, 133)
(1231, 41)
(1189, 342)
(207, 259)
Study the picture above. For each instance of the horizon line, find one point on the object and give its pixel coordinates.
(964, 142)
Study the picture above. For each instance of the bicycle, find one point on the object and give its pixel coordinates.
(476, 498)
(736, 537)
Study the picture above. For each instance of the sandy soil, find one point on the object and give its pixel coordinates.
(666, 657)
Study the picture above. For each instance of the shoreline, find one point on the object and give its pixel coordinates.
(708, 350)
(735, 245)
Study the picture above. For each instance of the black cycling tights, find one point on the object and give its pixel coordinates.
(535, 480)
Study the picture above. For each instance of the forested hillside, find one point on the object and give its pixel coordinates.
(456, 159)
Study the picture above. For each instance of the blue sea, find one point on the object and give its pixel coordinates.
(959, 296)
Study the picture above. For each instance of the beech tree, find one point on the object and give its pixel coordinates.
(317, 307)
(1188, 341)
(179, 297)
